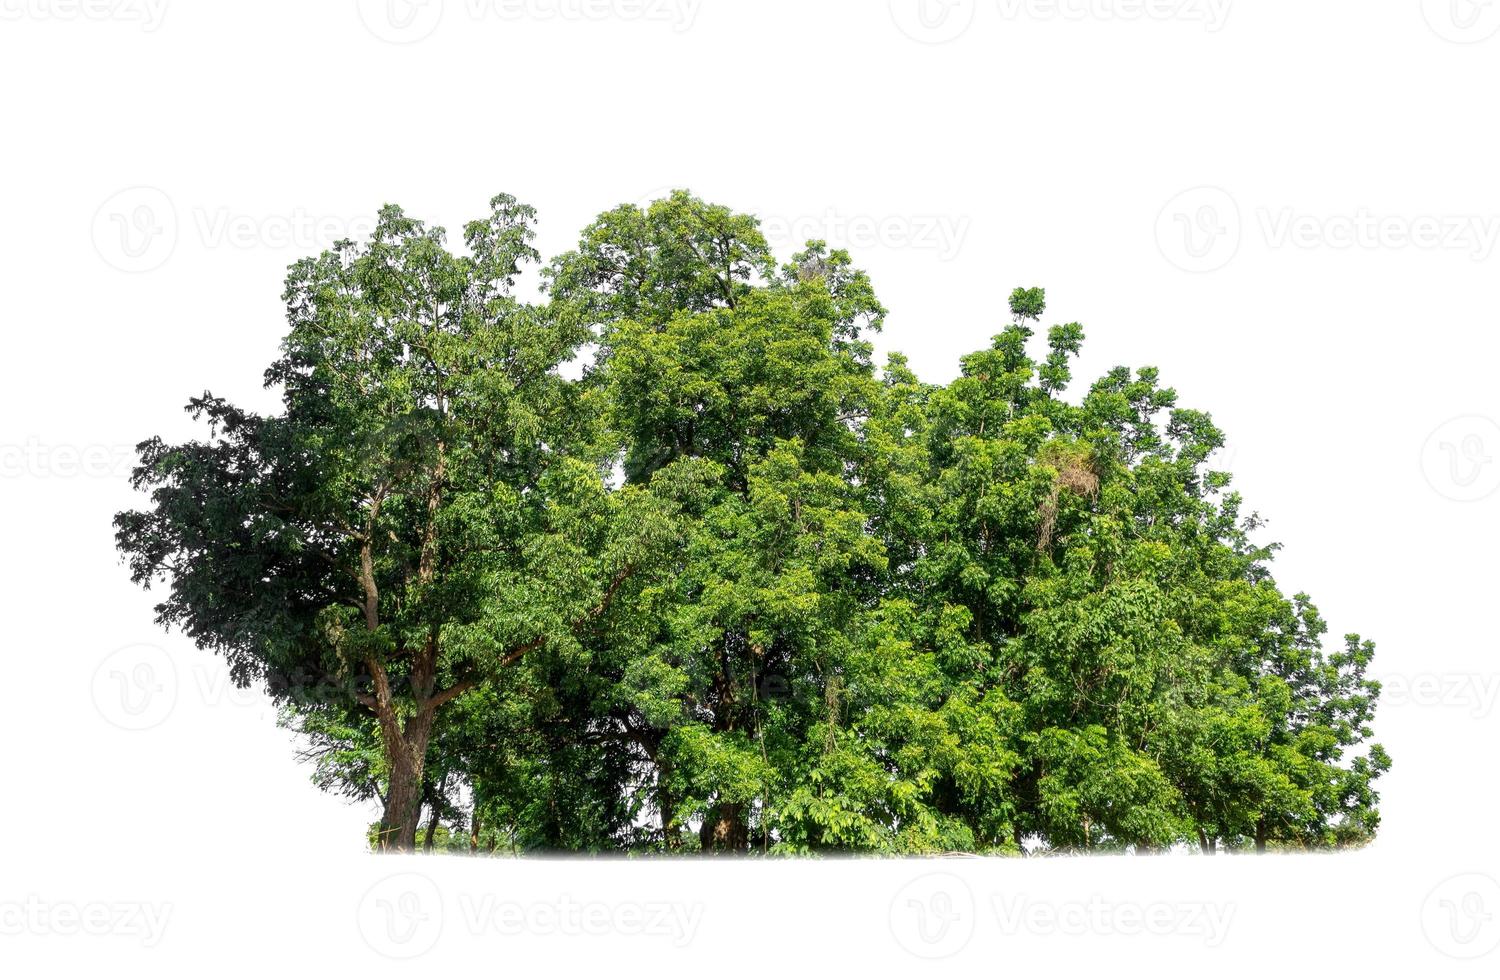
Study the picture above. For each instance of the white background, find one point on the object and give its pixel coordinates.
(1291, 208)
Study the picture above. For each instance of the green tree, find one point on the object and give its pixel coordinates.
(1167, 690)
(735, 588)
(735, 389)
(421, 515)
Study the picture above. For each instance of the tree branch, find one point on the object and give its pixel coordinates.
(516, 653)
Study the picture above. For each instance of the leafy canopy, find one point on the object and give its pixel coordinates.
(738, 588)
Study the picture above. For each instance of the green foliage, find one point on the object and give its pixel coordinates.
(738, 589)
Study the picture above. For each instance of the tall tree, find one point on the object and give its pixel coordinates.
(420, 516)
(735, 388)
(735, 589)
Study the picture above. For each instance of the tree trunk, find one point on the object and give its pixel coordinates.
(667, 807)
(724, 828)
(406, 753)
(432, 826)
(403, 802)
(1260, 837)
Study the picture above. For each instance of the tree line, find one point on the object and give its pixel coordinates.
(664, 562)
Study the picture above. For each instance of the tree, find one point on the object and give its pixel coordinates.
(734, 390)
(421, 516)
(735, 588)
(1107, 584)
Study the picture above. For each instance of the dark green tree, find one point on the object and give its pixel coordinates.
(422, 514)
(735, 588)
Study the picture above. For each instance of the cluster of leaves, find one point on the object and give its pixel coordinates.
(736, 588)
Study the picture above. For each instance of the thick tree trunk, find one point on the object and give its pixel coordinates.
(406, 753)
(724, 829)
(1260, 837)
(403, 804)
